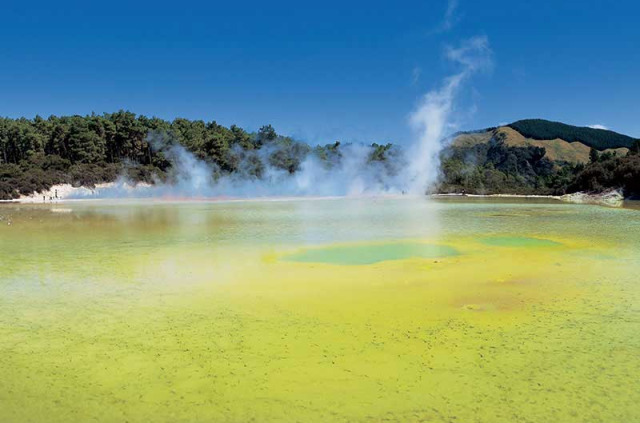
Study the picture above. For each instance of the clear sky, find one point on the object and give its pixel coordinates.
(321, 71)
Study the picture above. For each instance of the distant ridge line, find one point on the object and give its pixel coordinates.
(600, 139)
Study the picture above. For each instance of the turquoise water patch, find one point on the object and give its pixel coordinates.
(518, 241)
(368, 254)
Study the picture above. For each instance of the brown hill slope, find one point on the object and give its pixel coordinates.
(556, 149)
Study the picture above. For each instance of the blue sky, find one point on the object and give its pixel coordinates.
(348, 70)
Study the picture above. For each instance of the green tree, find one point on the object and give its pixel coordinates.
(266, 134)
(594, 156)
(85, 145)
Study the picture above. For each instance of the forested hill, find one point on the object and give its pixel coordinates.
(536, 156)
(600, 139)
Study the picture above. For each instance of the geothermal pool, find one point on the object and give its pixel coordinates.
(320, 310)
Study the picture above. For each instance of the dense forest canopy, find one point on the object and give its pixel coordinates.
(599, 139)
(85, 150)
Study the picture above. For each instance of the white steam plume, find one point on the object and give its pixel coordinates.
(432, 120)
(448, 22)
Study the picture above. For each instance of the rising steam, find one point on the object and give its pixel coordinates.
(352, 172)
(432, 120)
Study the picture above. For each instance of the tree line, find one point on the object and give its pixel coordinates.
(85, 150)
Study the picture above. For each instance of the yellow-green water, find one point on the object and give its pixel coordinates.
(320, 310)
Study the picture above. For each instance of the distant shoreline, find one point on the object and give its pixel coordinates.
(501, 195)
(66, 192)
(612, 198)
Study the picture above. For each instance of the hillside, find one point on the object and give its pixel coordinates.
(503, 160)
(557, 149)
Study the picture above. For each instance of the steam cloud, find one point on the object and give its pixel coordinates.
(351, 173)
(432, 120)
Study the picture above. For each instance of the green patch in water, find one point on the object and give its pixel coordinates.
(373, 253)
(518, 241)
